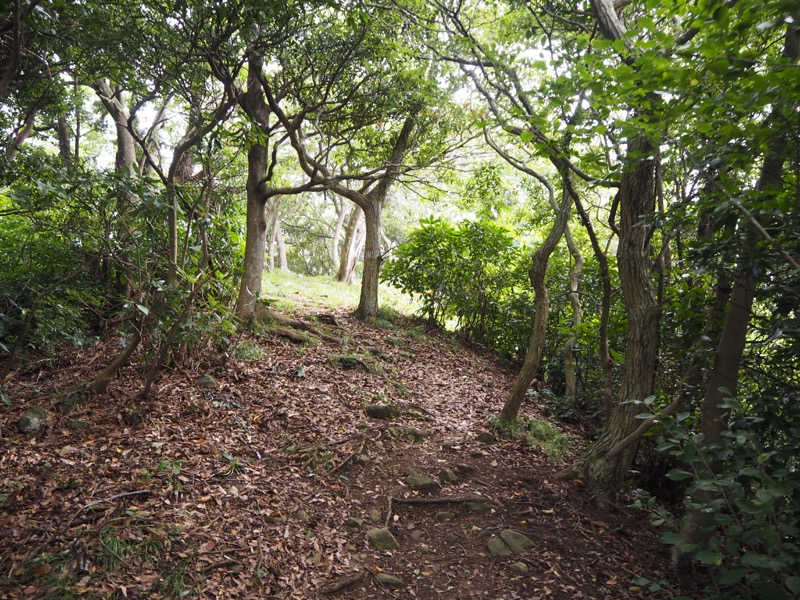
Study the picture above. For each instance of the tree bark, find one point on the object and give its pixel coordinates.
(539, 262)
(350, 247)
(64, 144)
(22, 135)
(368, 302)
(606, 465)
(570, 369)
(252, 102)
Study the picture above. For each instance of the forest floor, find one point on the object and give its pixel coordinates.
(262, 479)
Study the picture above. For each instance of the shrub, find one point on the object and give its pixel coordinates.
(471, 277)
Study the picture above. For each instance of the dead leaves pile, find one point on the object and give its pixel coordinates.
(243, 489)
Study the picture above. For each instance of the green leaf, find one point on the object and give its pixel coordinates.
(793, 583)
(143, 309)
(6, 399)
(672, 537)
(679, 475)
(708, 557)
(733, 576)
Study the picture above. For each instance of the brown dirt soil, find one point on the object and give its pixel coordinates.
(244, 490)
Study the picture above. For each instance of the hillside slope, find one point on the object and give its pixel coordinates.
(261, 479)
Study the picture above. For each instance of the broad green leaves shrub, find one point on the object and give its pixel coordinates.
(753, 504)
(470, 276)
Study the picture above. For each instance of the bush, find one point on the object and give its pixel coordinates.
(471, 276)
(752, 504)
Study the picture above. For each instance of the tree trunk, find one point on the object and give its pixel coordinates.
(64, 143)
(254, 106)
(368, 303)
(283, 263)
(22, 135)
(539, 262)
(256, 233)
(341, 217)
(114, 100)
(570, 369)
(724, 379)
(606, 465)
(349, 254)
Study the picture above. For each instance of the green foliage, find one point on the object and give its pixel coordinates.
(752, 504)
(472, 276)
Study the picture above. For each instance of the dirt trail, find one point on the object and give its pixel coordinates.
(262, 481)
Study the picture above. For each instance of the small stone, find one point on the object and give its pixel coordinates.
(382, 539)
(33, 420)
(375, 515)
(516, 541)
(361, 459)
(479, 507)
(452, 539)
(425, 549)
(486, 437)
(389, 581)
(77, 425)
(518, 568)
(463, 469)
(417, 534)
(354, 524)
(206, 382)
(477, 454)
(303, 516)
(423, 483)
(497, 547)
(417, 435)
(450, 445)
(448, 476)
(445, 515)
(381, 411)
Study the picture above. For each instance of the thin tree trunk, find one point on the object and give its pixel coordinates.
(539, 262)
(64, 143)
(349, 253)
(341, 216)
(282, 261)
(22, 135)
(570, 369)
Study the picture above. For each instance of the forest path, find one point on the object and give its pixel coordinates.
(262, 477)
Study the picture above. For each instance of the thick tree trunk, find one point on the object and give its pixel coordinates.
(256, 233)
(539, 262)
(256, 225)
(368, 303)
(606, 465)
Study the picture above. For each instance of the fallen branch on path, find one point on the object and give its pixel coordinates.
(344, 582)
(104, 500)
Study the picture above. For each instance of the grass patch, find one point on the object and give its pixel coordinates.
(539, 433)
(248, 350)
(288, 292)
(545, 435)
